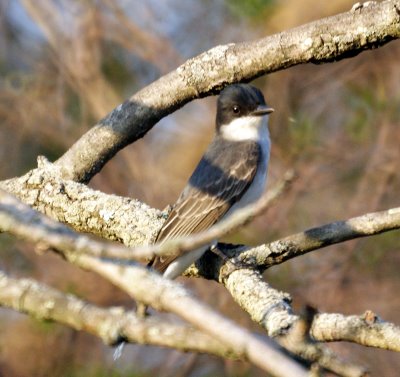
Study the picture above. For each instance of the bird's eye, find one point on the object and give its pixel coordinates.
(236, 109)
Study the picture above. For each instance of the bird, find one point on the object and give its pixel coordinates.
(231, 174)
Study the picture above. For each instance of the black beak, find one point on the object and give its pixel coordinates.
(262, 110)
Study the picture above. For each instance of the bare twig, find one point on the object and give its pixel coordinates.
(301, 243)
(111, 325)
(272, 310)
(20, 220)
(367, 330)
(151, 289)
(221, 229)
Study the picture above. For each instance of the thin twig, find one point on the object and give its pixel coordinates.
(23, 221)
(151, 289)
(110, 324)
(272, 310)
(154, 290)
(368, 330)
(276, 252)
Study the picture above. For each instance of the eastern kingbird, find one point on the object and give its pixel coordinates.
(231, 174)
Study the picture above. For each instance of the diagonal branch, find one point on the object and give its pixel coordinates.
(151, 289)
(111, 325)
(329, 39)
(301, 243)
(272, 310)
(135, 223)
(325, 40)
(264, 256)
(22, 221)
(367, 330)
(84, 209)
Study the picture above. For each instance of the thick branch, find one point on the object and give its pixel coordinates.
(151, 289)
(301, 243)
(272, 310)
(367, 330)
(22, 221)
(134, 223)
(329, 39)
(111, 325)
(325, 40)
(86, 210)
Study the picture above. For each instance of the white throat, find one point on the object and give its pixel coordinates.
(251, 128)
(246, 128)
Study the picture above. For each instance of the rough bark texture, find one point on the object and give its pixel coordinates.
(367, 329)
(163, 294)
(268, 307)
(112, 325)
(86, 210)
(51, 190)
(329, 39)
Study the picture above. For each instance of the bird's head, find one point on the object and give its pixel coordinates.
(242, 113)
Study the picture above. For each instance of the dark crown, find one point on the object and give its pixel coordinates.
(237, 101)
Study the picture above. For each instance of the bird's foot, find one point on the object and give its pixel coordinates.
(142, 310)
(230, 265)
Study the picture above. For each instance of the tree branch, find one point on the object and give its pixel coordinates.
(111, 325)
(86, 210)
(134, 223)
(279, 251)
(329, 39)
(151, 289)
(266, 306)
(272, 310)
(367, 330)
(22, 221)
(269, 308)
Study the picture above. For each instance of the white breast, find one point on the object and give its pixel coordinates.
(257, 187)
(255, 128)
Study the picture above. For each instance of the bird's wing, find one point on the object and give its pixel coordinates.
(210, 193)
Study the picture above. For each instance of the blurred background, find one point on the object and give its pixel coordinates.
(65, 64)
